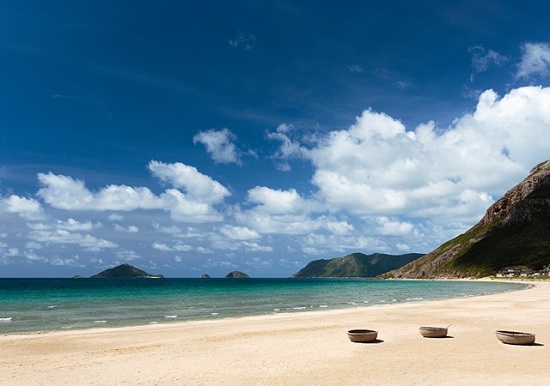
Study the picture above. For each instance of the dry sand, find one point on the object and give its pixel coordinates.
(301, 349)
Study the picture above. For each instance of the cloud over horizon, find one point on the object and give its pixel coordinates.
(408, 189)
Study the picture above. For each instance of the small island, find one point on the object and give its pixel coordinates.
(236, 275)
(125, 271)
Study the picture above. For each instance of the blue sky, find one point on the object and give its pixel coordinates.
(191, 137)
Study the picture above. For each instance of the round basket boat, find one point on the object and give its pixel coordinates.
(515, 337)
(362, 336)
(433, 332)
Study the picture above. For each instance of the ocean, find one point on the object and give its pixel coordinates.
(33, 305)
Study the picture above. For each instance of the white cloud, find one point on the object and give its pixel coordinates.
(182, 247)
(535, 60)
(393, 227)
(61, 236)
(339, 227)
(63, 192)
(185, 210)
(128, 229)
(376, 186)
(121, 197)
(70, 261)
(127, 255)
(266, 223)
(278, 201)
(289, 148)
(219, 144)
(377, 167)
(162, 247)
(178, 246)
(483, 58)
(75, 225)
(255, 247)
(239, 233)
(198, 186)
(25, 207)
(66, 193)
(204, 250)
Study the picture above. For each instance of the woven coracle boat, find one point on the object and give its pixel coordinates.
(362, 336)
(515, 337)
(433, 332)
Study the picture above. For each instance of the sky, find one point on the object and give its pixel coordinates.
(202, 137)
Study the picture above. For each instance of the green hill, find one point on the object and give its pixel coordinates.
(125, 271)
(356, 265)
(236, 275)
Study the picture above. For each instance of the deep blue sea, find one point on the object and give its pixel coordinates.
(31, 305)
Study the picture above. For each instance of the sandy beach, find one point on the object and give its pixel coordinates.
(301, 349)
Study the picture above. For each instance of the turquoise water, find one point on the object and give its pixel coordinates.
(30, 305)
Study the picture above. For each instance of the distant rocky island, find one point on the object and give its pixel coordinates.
(236, 275)
(126, 271)
(513, 235)
(356, 265)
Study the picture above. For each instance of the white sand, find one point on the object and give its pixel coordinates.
(301, 349)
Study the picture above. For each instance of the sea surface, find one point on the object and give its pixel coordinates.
(32, 305)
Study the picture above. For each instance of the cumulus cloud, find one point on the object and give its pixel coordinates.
(282, 224)
(339, 227)
(195, 205)
(25, 207)
(377, 167)
(535, 61)
(393, 227)
(276, 211)
(219, 144)
(375, 186)
(239, 233)
(278, 201)
(199, 187)
(64, 192)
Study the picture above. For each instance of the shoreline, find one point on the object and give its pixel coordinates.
(303, 348)
(101, 327)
